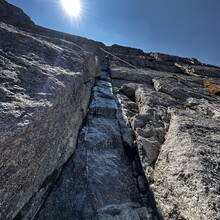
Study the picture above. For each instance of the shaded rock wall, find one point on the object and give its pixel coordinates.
(13, 15)
(97, 182)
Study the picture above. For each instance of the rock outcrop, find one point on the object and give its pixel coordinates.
(148, 144)
(13, 15)
(44, 92)
(164, 62)
(175, 120)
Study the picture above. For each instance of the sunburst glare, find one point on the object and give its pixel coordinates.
(72, 7)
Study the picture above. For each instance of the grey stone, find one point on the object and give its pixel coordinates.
(180, 96)
(164, 86)
(138, 121)
(146, 132)
(103, 102)
(183, 178)
(142, 184)
(45, 85)
(130, 75)
(148, 148)
(128, 89)
(97, 175)
(44, 94)
(9, 12)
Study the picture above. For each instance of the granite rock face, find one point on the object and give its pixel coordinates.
(150, 136)
(97, 182)
(187, 170)
(175, 120)
(13, 15)
(45, 89)
(163, 62)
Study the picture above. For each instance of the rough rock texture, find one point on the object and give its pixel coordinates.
(45, 88)
(159, 126)
(187, 170)
(12, 15)
(97, 182)
(164, 62)
(175, 120)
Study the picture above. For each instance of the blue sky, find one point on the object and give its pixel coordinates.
(188, 28)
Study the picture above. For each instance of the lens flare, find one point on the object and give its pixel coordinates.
(72, 7)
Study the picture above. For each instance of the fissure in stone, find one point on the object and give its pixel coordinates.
(98, 181)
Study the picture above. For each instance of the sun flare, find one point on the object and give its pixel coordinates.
(72, 7)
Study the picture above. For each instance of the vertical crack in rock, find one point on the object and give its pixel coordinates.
(162, 122)
(100, 181)
(145, 112)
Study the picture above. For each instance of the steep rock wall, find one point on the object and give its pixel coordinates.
(45, 88)
(98, 181)
(45, 82)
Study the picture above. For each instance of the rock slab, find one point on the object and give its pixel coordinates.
(44, 94)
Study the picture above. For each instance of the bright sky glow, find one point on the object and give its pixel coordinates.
(184, 28)
(72, 7)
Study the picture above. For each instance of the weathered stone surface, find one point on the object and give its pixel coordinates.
(44, 93)
(10, 14)
(103, 102)
(163, 62)
(130, 75)
(187, 170)
(199, 70)
(142, 184)
(179, 158)
(97, 182)
(161, 120)
(129, 90)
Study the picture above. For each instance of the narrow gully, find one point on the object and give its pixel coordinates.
(103, 179)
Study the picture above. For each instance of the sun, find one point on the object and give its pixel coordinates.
(72, 7)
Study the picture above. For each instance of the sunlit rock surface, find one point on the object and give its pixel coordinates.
(176, 121)
(187, 170)
(45, 88)
(153, 128)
